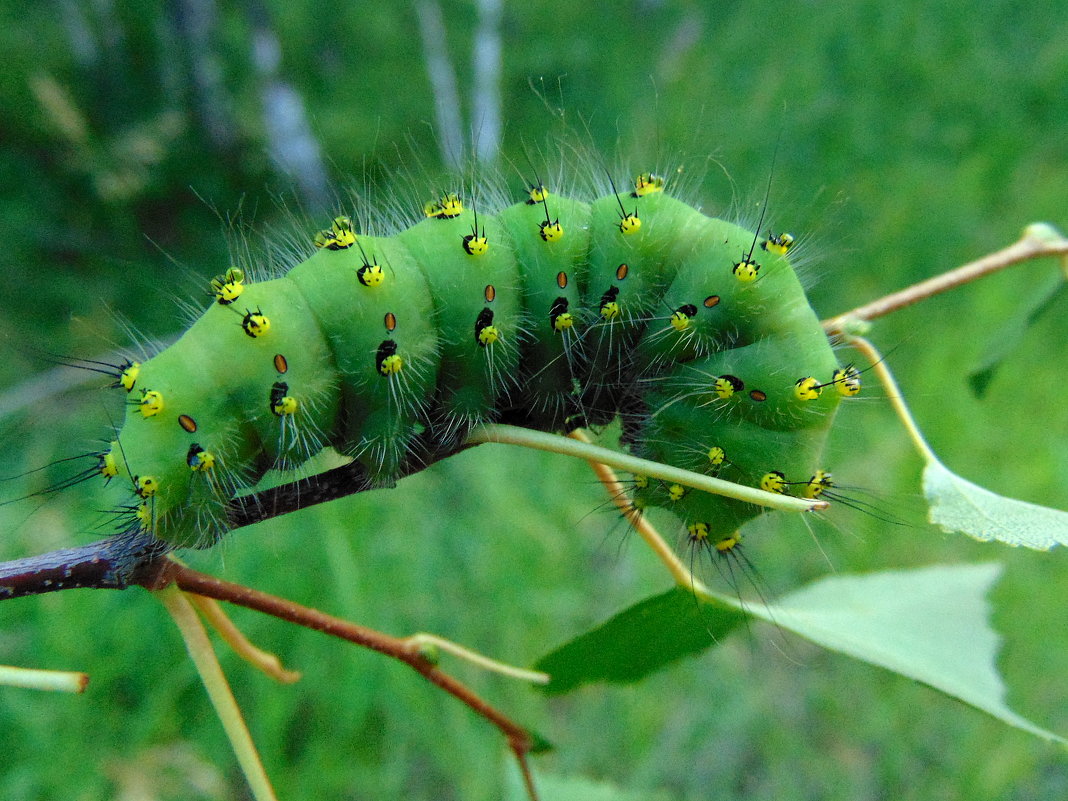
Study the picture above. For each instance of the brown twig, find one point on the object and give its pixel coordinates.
(192, 581)
(1038, 240)
(130, 558)
(112, 564)
(348, 479)
(621, 498)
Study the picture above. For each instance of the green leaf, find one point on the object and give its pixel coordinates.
(959, 505)
(929, 624)
(1026, 312)
(640, 640)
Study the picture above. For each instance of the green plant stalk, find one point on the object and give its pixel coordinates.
(60, 681)
(222, 698)
(893, 392)
(554, 443)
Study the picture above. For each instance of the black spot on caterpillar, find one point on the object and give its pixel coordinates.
(552, 313)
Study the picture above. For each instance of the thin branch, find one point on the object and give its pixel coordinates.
(431, 644)
(135, 557)
(58, 681)
(222, 698)
(893, 392)
(554, 443)
(618, 493)
(263, 661)
(192, 581)
(112, 564)
(329, 485)
(1038, 240)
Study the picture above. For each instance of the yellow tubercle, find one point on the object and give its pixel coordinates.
(648, 183)
(255, 323)
(698, 532)
(338, 236)
(610, 310)
(446, 207)
(144, 516)
(537, 194)
(475, 245)
(286, 405)
(774, 481)
(128, 374)
(816, 485)
(779, 244)
(681, 317)
(551, 231)
(107, 465)
(282, 403)
(146, 486)
(151, 403)
(725, 386)
(391, 365)
(729, 543)
(807, 388)
(371, 275)
(629, 224)
(229, 286)
(746, 270)
(563, 321)
(199, 460)
(846, 381)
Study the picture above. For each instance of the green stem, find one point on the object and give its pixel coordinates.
(647, 531)
(263, 661)
(428, 644)
(222, 698)
(539, 440)
(893, 392)
(197, 583)
(60, 681)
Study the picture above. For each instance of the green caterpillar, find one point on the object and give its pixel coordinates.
(551, 313)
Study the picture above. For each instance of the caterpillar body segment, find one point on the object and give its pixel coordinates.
(477, 300)
(217, 381)
(745, 451)
(552, 279)
(628, 270)
(385, 346)
(552, 313)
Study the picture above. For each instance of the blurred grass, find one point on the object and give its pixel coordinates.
(913, 137)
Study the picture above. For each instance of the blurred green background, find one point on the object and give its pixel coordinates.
(912, 137)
